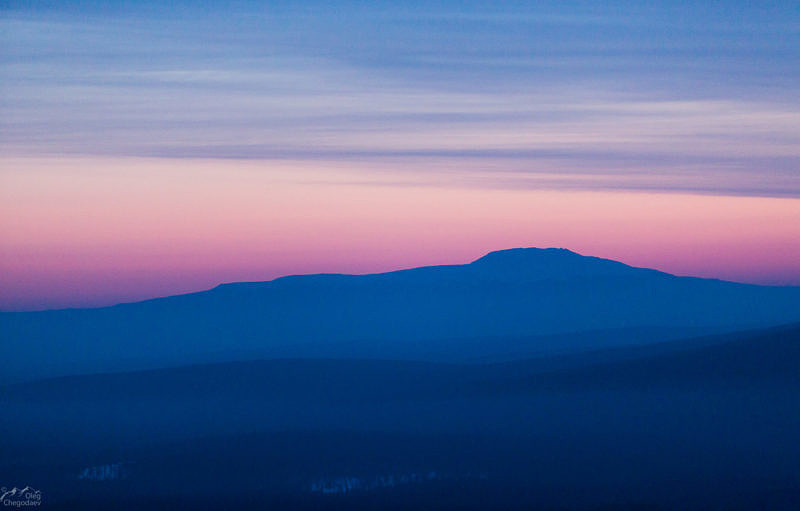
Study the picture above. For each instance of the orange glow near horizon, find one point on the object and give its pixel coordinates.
(94, 231)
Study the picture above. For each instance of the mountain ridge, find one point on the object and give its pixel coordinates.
(483, 262)
(490, 260)
(504, 294)
(764, 355)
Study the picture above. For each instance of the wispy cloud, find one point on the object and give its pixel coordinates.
(649, 97)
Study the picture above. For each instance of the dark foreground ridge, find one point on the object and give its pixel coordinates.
(706, 423)
(771, 356)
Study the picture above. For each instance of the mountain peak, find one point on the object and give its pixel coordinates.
(548, 263)
(525, 254)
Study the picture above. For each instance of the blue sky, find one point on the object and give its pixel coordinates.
(689, 96)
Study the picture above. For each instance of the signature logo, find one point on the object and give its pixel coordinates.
(20, 497)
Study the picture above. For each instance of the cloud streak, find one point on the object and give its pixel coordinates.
(705, 99)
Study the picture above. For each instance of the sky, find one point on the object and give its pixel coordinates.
(153, 148)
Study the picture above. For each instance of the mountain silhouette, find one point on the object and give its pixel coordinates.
(532, 264)
(510, 294)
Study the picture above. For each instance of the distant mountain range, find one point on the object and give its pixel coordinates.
(506, 305)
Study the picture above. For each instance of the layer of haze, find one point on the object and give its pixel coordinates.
(150, 149)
